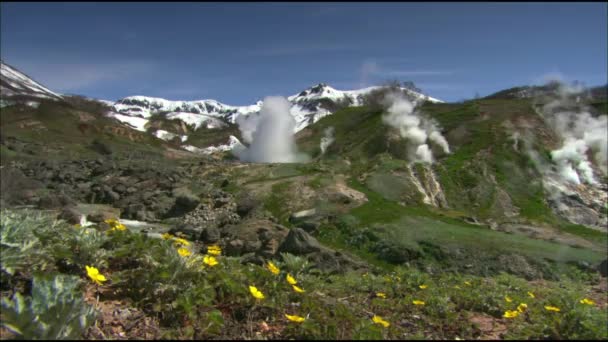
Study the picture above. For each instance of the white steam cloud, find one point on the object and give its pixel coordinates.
(418, 130)
(269, 134)
(581, 134)
(327, 139)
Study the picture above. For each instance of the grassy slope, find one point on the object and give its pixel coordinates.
(62, 138)
(360, 136)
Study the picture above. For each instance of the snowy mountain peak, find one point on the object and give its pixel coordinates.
(15, 83)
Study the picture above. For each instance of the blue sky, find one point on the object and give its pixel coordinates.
(238, 53)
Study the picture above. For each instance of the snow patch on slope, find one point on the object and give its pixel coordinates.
(233, 142)
(197, 120)
(135, 122)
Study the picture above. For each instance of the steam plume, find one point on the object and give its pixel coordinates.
(327, 139)
(270, 134)
(417, 129)
(581, 134)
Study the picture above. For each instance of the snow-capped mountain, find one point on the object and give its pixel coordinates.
(307, 107)
(14, 83)
(142, 112)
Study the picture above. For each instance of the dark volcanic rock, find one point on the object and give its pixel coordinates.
(210, 235)
(70, 215)
(299, 241)
(245, 205)
(185, 201)
(603, 268)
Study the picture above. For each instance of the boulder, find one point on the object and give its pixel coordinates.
(603, 268)
(298, 242)
(210, 235)
(70, 215)
(245, 205)
(185, 201)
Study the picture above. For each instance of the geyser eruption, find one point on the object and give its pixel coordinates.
(327, 139)
(269, 134)
(418, 130)
(581, 135)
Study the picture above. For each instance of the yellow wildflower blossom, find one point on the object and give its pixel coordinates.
(552, 308)
(381, 294)
(209, 260)
(423, 286)
(587, 301)
(295, 318)
(180, 242)
(290, 279)
(510, 314)
(94, 274)
(531, 295)
(417, 302)
(297, 289)
(118, 226)
(214, 250)
(184, 252)
(111, 222)
(77, 225)
(522, 307)
(167, 236)
(379, 320)
(272, 268)
(508, 299)
(255, 292)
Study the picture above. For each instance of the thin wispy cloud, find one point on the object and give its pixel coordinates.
(372, 68)
(415, 72)
(286, 50)
(73, 77)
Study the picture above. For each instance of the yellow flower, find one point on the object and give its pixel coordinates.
(297, 289)
(379, 320)
(118, 226)
(531, 295)
(290, 279)
(255, 292)
(94, 274)
(508, 299)
(214, 250)
(209, 260)
(184, 252)
(587, 301)
(423, 286)
(418, 302)
(522, 307)
(167, 236)
(295, 318)
(180, 242)
(77, 225)
(272, 268)
(510, 314)
(467, 283)
(111, 222)
(552, 308)
(381, 294)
